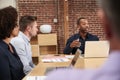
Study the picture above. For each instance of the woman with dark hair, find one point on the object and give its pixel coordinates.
(11, 68)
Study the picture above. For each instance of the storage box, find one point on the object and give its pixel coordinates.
(48, 43)
(35, 50)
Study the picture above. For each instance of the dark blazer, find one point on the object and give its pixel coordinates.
(11, 68)
(89, 37)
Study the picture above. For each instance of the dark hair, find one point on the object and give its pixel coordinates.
(25, 21)
(78, 21)
(111, 9)
(8, 21)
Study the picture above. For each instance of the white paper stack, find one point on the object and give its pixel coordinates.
(55, 60)
(36, 77)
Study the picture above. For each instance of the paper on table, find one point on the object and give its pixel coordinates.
(55, 59)
(36, 77)
(69, 56)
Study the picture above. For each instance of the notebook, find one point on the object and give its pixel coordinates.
(72, 64)
(96, 49)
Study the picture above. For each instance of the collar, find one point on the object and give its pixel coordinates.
(25, 38)
(87, 35)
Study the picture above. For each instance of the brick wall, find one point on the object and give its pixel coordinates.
(47, 10)
(87, 9)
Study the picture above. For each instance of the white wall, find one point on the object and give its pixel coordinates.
(5, 3)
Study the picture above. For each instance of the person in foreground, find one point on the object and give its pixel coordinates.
(28, 29)
(11, 67)
(78, 40)
(110, 15)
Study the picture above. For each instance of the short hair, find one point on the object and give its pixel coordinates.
(78, 21)
(111, 9)
(8, 21)
(25, 21)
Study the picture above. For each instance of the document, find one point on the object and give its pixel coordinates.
(55, 59)
(36, 77)
(69, 56)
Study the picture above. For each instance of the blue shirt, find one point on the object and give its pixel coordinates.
(23, 48)
(89, 37)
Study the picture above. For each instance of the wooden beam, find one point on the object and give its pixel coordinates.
(66, 24)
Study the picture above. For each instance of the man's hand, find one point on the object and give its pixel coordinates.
(75, 43)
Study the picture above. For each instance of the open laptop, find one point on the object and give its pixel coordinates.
(72, 64)
(96, 49)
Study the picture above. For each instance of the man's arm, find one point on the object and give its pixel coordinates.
(95, 38)
(21, 51)
(68, 49)
(71, 46)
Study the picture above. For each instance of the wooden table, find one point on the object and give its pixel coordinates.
(39, 70)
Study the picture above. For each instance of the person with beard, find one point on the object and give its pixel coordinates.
(78, 40)
(28, 29)
(109, 14)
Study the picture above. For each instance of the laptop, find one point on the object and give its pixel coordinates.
(96, 49)
(72, 64)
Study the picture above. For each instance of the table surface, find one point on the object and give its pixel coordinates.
(40, 69)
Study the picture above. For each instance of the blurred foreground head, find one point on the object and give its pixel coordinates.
(110, 10)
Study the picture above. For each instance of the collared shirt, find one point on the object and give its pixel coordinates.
(109, 71)
(89, 37)
(23, 48)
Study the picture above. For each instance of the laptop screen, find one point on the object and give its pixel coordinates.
(74, 60)
(96, 49)
(76, 56)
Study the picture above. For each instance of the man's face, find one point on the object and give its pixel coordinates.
(33, 29)
(83, 26)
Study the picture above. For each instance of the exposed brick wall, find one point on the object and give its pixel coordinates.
(47, 10)
(87, 9)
